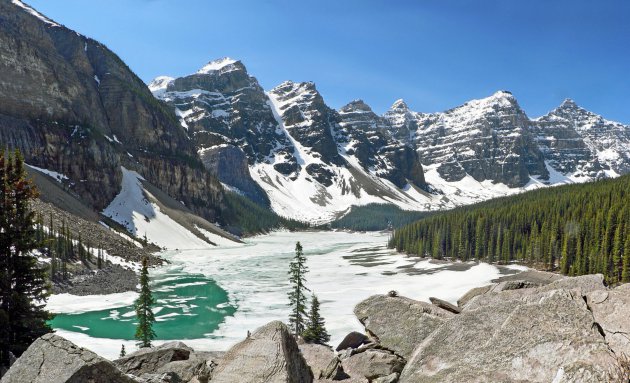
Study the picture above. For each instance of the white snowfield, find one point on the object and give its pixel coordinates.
(134, 208)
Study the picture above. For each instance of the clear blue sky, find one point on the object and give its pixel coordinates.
(435, 54)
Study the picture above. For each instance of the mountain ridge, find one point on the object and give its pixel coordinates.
(418, 161)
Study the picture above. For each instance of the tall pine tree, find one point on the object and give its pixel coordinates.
(22, 282)
(297, 295)
(144, 313)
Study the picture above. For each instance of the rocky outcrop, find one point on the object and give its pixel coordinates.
(270, 354)
(397, 323)
(71, 105)
(150, 360)
(53, 359)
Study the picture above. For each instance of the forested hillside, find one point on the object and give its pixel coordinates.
(375, 216)
(573, 229)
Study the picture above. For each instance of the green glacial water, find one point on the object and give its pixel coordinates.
(188, 306)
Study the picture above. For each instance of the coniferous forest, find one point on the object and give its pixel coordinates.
(573, 229)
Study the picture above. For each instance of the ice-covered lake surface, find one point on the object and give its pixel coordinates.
(211, 298)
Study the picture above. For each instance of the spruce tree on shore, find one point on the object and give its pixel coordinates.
(315, 331)
(144, 313)
(297, 295)
(23, 285)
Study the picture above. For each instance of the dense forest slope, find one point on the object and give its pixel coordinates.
(574, 229)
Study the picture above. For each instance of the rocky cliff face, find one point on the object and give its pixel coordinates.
(379, 147)
(580, 142)
(488, 139)
(71, 105)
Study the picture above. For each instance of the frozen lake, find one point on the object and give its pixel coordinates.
(210, 298)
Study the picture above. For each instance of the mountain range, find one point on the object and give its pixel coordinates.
(200, 142)
(286, 148)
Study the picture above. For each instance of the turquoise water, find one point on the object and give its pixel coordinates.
(189, 306)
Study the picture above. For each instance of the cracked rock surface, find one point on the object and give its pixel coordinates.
(52, 358)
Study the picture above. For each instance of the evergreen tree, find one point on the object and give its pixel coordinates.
(315, 331)
(22, 282)
(144, 313)
(122, 351)
(297, 295)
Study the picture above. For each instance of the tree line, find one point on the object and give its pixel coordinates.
(574, 229)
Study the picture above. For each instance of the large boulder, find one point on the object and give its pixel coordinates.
(318, 357)
(611, 310)
(52, 358)
(151, 359)
(372, 364)
(270, 355)
(543, 337)
(497, 294)
(397, 323)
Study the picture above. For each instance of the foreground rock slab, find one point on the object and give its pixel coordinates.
(611, 310)
(52, 358)
(150, 360)
(398, 323)
(543, 336)
(270, 355)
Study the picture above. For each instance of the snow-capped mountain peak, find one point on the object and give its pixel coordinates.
(399, 105)
(159, 84)
(216, 65)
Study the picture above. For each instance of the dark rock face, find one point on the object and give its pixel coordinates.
(370, 139)
(352, 340)
(71, 105)
(488, 139)
(307, 118)
(54, 359)
(229, 164)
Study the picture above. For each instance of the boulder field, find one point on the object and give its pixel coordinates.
(531, 327)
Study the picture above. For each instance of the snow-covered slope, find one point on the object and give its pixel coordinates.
(287, 149)
(140, 213)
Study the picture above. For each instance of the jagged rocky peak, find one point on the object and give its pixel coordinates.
(583, 143)
(355, 106)
(308, 119)
(487, 138)
(224, 108)
(400, 105)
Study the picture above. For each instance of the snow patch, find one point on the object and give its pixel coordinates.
(51, 173)
(141, 217)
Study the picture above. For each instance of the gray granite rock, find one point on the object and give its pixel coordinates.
(270, 354)
(398, 323)
(52, 358)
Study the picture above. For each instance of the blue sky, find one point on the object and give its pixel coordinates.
(435, 54)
